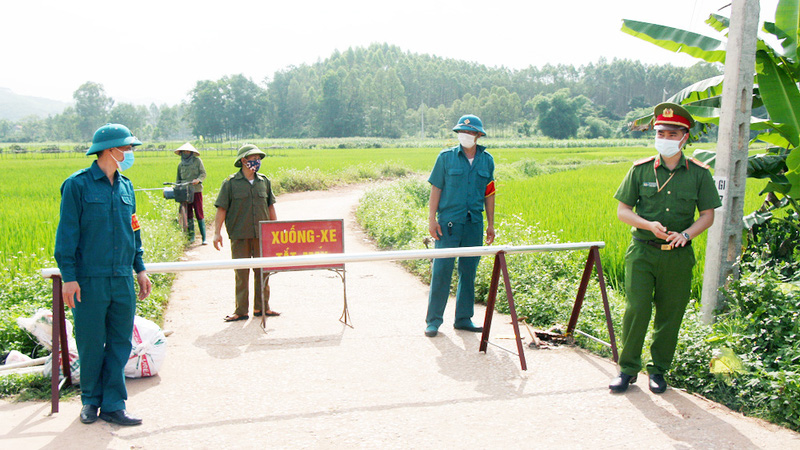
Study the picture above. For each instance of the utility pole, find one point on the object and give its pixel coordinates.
(725, 236)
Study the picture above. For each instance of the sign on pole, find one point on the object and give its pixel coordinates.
(302, 237)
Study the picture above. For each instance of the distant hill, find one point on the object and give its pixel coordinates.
(14, 106)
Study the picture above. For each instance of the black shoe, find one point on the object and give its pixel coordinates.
(469, 327)
(89, 414)
(657, 383)
(621, 382)
(120, 417)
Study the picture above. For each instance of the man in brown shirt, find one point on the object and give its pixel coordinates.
(245, 199)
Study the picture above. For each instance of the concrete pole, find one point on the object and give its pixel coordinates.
(725, 236)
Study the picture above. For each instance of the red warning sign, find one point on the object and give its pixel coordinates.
(302, 237)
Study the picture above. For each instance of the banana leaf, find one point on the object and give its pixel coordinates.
(719, 23)
(773, 138)
(780, 95)
(710, 87)
(793, 173)
(677, 40)
(787, 20)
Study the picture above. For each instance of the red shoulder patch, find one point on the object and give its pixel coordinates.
(699, 163)
(644, 160)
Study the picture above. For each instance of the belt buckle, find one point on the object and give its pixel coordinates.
(666, 247)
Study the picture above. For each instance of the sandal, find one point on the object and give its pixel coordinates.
(272, 313)
(257, 314)
(234, 318)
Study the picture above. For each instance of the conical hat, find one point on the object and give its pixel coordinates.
(188, 147)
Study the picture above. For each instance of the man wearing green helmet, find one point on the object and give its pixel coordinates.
(245, 199)
(462, 185)
(666, 190)
(98, 247)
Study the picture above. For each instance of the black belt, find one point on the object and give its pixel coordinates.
(659, 245)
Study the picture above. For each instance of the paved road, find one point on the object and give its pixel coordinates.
(311, 382)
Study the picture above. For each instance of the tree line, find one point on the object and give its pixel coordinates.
(383, 91)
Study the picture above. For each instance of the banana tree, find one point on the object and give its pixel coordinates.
(777, 76)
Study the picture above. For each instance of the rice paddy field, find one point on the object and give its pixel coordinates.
(572, 198)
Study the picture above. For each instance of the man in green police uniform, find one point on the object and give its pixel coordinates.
(245, 199)
(98, 247)
(665, 189)
(462, 183)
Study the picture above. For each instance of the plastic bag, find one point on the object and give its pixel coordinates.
(149, 349)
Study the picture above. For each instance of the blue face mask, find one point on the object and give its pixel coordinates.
(253, 165)
(127, 161)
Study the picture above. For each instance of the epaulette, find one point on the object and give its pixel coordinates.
(699, 163)
(644, 160)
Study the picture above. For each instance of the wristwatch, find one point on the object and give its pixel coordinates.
(686, 235)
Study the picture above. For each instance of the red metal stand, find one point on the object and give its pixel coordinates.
(593, 259)
(500, 265)
(60, 346)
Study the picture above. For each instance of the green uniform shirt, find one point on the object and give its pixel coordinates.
(191, 169)
(690, 188)
(463, 185)
(245, 204)
(98, 234)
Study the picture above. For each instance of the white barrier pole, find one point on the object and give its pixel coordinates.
(340, 258)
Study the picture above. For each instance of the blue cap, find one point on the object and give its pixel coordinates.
(111, 135)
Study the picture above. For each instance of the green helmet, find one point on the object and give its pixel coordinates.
(245, 151)
(111, 135)
(469, 123)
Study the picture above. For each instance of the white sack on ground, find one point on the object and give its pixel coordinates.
(149, 349)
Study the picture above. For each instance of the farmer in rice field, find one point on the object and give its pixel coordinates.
(191, 170)
(462, 186)
(245, 199)
(98, 248)
(665, 190)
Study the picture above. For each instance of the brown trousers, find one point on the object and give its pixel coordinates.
(248, 248)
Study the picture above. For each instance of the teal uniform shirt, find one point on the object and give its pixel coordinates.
(97, 234)
(463, 185)
(655, 277)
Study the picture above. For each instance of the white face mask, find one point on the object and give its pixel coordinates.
(667, 147)
(466, 140)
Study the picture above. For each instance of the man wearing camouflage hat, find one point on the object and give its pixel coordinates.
(98, 248)
(245, 199)
(665, 190)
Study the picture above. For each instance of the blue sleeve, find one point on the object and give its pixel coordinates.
(437, 174)
(138, 258)
(69, 230)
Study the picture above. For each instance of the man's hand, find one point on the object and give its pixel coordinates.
(677, 239)
(659, 230)
(218, 241)
(71, 291)
(489, 235)
(145, 286)
(435, 229)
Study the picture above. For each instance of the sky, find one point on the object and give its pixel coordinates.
(156, 50)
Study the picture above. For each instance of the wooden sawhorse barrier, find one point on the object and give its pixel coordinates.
(500, 266)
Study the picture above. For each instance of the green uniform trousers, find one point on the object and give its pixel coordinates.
(248, 248)
(661, 278)
(103, 328)
(468, 234)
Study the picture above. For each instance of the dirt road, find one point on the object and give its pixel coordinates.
(311, 382)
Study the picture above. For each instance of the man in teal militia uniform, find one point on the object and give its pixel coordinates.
(665, 189)
(98, 247)
(462, 183)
